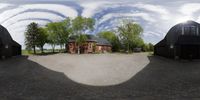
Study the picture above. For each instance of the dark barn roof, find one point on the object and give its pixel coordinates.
(8, 47)
(5, 36)
(174, 33)
(179, 40)
(99, 41)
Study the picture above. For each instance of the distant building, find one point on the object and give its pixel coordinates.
(93, 45)
(182, 41)
(8, 47)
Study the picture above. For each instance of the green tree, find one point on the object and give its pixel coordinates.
(52, 36)
(63, 30)
(31, 36)
(145, 47)
(151, 47)
(60, 32)
(42, 38)
(138, 43)
(80, 25)
(129, 33)
(80, 41)
(112, 38)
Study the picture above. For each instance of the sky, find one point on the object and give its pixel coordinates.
(155, 16)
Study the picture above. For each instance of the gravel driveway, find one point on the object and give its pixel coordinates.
(95, 69)
(99, 77)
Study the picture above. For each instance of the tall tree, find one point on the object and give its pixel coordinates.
(42, 38)
(31, 35)
(64, 30)
(80, 41)
(129, 33)
(80, 25)
(112, 38)
(59, 32)
(52, 36)
(151, 47)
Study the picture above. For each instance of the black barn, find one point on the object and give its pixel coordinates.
(182, 41)
(8, 47)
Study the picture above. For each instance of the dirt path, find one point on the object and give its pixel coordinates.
(97, 69)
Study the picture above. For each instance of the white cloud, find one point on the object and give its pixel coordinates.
(67, 11)
(153, 8)
(4, 5)
(90, 8)
(25, 23)
(164, 13)
(144, 16)
(190, 8)
(151, 33)
(32, 15)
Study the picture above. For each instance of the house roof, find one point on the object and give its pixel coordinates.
(89, 38)
(161, 43)
(176, 31)
(6, 38)
(99, 41)
(102, 41)
(174, 34)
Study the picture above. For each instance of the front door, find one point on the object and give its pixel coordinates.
(189, 51)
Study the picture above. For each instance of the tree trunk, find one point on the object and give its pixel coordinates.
(34, 51)
(53, 48)
(78, 49)
(42, 50)
(66, 48)
(60, 48)
(127, 47)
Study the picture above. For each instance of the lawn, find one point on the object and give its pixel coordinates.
(38, 52)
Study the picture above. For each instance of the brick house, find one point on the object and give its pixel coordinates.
(93, 45)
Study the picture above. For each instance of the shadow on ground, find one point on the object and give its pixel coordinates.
(161, 79)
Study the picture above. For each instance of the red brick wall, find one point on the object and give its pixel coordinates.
(103, 48)
(72, 47)
(86, 48)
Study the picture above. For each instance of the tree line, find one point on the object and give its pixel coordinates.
(124, 39)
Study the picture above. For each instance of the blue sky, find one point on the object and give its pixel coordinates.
(155, 16)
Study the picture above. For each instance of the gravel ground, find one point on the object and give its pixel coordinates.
(99, 77)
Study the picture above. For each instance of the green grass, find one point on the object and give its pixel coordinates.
(38, 52)
(26, 52)
(150, 53)
(49, 52)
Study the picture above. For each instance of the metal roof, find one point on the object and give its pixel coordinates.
(175, 32)
(99, 41)
(6, 38)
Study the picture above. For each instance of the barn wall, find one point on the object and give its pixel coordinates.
(164, 51)
(16, 50)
